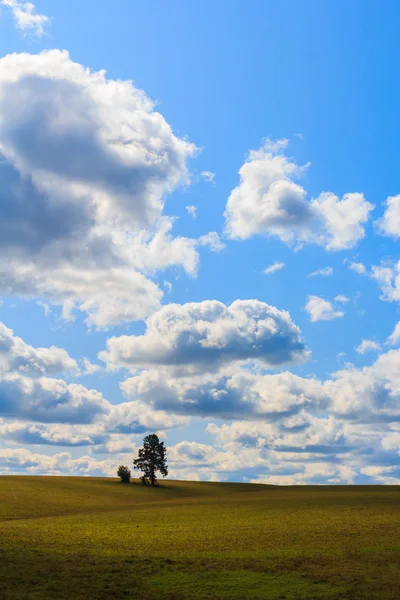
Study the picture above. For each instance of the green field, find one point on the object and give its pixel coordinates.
(67, 537)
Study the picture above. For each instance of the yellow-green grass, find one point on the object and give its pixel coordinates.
(68, 537)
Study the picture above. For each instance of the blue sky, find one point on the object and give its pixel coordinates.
(278, 124)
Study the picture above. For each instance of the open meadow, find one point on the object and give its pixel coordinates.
(67, 537)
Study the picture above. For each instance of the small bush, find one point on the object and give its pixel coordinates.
(124, 473)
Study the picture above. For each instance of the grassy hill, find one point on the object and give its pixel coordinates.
(69, 537)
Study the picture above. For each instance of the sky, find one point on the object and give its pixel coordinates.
(199, 237)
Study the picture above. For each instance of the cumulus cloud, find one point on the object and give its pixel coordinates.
(18, 357)
(49, 400)
(368, 394)
(86, 165)
(34, 400)
(206, 335)
(389, 224)
(231, 393)
(269, 201)
(324, 272)
(321, 310)
(51, 412)
(25, 16)
(276, 266)
(20, 432)
(282, 427)
(367, 346)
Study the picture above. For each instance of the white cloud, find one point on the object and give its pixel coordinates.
(276, 266)
(321, 310)
(367, 346)
(389, 224)
(324, 272)
(47, 434)
(388, 278)
(192, 211)
(394, 338)
(358, 268)
(342, 299)
(208, 176)
(18, 357)
(21, 460)
(268, 201)
(89, 368)
(49, 400)
(168, 286)
(26, 17)
(205, 335)
(285, 428)
(212, 240)
(83, 184)
(230, 393)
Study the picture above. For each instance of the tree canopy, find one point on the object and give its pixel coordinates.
(124, 473)
(152, 458)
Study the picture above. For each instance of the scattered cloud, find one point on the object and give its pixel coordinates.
(342, 299)
(358, 268)
(276, 266)
(388, 278)
(368, 346)
(268, 201)
(192, 211)
(89, 368)
(25, 16)
(212, 240)
(208, 176)
(324, 272)
(168, 286)
(321, 310)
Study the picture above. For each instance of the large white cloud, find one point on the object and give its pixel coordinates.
(206, 335)
(86, 164)
(269, 201)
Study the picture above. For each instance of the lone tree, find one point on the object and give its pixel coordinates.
(124, 473)
(152, 457)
